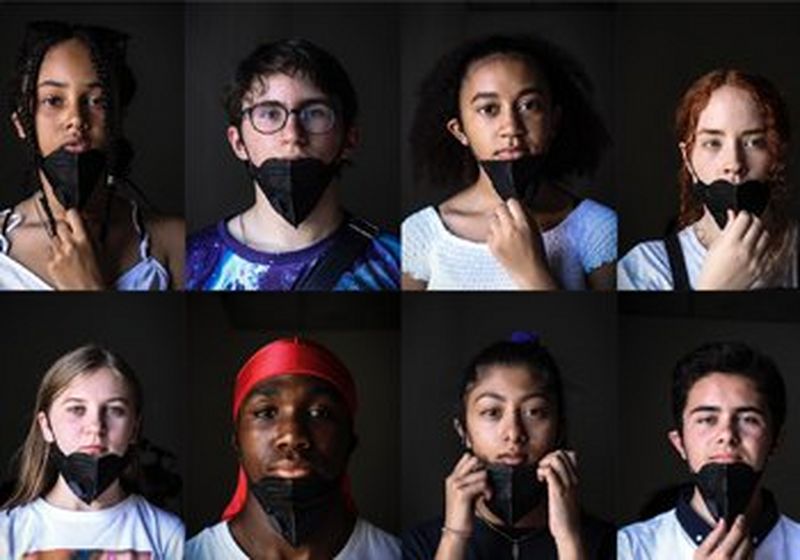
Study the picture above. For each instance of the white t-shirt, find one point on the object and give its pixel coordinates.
(664, 538)
(646, 266)
(133, 526)
(585, 240)
(366, 542)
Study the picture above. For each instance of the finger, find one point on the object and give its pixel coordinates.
(744, 550)
(734, 537)
(62, 233)
(467, 464)
(753, 232)
(75, 222)
(560, 464)
(713, 539)
(503, 215)
(556, 480)
(516, 211)
(740, 223)
(470, 479)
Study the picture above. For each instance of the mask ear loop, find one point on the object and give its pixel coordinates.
(48, 220)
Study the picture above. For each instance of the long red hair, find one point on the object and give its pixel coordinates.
(776, 120)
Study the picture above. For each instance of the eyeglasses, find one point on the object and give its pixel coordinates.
(269, 117)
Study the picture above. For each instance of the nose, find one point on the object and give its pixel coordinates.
(77, 117)
(96, 422)
(514, 430)
(729, 432)
(734, 164)
(511, 124)
(294, 131)
(292, 434)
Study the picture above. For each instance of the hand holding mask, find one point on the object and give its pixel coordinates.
(515, 241)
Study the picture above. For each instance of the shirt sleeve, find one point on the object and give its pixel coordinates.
(598, 244)
(417, 233)
(624, 551)
(645, 267)
(173, 547)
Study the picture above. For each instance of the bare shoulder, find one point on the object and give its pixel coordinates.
(167, 234)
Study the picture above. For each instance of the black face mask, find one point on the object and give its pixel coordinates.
(88, 476)
(515, 491)
(722, 195)
(74, 176)
(518, 178)
(293, 186)
(295, 506)
(726, 488)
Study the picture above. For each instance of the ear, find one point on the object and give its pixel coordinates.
(237, 143)
(18, 126)
(44, 426)
(351, 139)
(677, 443)
(687, 163)
(462, 433)
(454, 126)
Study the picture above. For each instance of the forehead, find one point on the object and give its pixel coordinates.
(731, 107)
(724, 390)
(503, 70)
(283, 87)
(100, 384)
(508, 381)
(68, 61)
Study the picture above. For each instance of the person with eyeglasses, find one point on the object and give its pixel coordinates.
(291, 112)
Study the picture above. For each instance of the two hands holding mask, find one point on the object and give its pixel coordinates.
(518, 496)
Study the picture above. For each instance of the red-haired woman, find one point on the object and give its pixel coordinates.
(734, 231)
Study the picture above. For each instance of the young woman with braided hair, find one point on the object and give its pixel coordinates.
(70, 88)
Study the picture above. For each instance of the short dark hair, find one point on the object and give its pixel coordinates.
(107, 49)
(292, 57)
(530, 354)
(441, 161)
(735, 358)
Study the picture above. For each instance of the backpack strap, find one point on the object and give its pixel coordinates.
(343, 252)
(680, 278)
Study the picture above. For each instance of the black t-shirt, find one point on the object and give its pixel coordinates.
(599, 537)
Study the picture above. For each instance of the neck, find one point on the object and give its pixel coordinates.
(706, 229)
(262, 228)
(255, 535)
(62, 497)
(752, 512)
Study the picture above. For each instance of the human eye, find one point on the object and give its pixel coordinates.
(320, 412)
(536, 412)
(488, 109)
(530, 104)
(711, 143)
(265, 412)
(117, 411)
(271, 112)
(51, 100)
(76, 410)
(752, 420)
(317, 111)
(491, 412)
(757, 142)
(706, 419)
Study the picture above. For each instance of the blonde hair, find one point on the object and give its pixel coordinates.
(35, 473)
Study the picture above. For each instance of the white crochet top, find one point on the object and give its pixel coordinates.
(583, 241)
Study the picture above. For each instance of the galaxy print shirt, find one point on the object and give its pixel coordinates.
(215, 260)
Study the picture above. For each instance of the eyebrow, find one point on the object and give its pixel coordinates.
(317, 390)
(81, 401)
(716, 409)
(56, 83)
(716, 132)
(498, 396)
(491, 95)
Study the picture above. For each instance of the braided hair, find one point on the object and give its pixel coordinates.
(107, 49)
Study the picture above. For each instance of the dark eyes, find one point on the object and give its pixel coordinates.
(315, 412)
(523, 107)
(58, 101)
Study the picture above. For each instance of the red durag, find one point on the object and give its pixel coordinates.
(288, 356)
